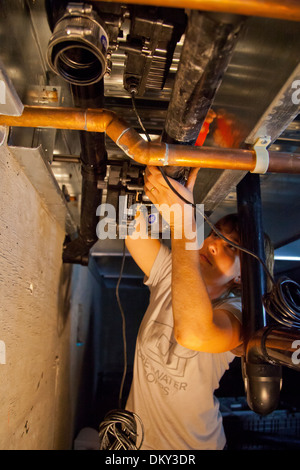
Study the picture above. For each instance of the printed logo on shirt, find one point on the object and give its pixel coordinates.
(163, 359)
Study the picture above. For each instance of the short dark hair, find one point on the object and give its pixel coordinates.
(229, 223)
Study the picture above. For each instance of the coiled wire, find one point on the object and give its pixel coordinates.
(282, 303)
(118, 431)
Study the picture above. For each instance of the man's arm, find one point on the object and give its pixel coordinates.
(142, 248)
(197, 325)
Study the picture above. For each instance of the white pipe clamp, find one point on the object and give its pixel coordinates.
(262, 155)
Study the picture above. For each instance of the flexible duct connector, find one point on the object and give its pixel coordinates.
(78, 45)
(148, 153)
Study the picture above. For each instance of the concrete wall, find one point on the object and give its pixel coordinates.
(40, 357)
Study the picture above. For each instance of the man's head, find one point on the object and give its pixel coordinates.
(220, 261)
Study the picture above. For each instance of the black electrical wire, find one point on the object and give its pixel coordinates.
(123, 326)
(212, 226)
(118, 430)
(282, 302)
(138, 116)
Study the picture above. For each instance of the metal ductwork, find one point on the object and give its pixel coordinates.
(207, 50)
(208, 47)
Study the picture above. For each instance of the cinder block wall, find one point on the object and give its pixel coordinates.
(40, 361)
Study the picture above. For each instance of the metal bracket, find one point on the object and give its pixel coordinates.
(262, 154)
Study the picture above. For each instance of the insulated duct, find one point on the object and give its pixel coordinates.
(208, 47)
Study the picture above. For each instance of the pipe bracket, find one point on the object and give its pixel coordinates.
(262, 155)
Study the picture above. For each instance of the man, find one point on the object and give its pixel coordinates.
(191, 325)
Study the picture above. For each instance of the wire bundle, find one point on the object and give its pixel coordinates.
(283, 302)
(118, 431)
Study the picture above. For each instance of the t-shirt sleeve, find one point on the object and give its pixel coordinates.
(161, 267)
(233, 305)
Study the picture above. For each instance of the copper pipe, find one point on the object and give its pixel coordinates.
(158, 154)
(285, 10)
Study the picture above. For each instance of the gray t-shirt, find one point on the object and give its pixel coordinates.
(173, 387)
